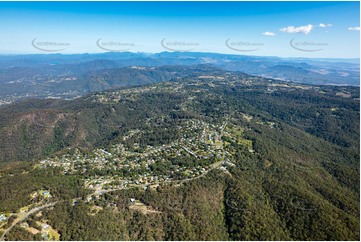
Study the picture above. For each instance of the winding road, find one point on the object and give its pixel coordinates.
(25, 216)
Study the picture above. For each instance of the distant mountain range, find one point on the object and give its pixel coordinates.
(69, 76)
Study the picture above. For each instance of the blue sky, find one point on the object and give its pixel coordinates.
(316, 29)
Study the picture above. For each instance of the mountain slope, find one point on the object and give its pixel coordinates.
(215, 156)
(67, 76)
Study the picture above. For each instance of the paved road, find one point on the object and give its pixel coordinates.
(26, 215)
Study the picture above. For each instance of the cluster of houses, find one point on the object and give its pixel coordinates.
(198, 139)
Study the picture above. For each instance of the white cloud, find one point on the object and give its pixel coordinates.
(302, 29)
(268, 33)
(354, 28)
(321, 25)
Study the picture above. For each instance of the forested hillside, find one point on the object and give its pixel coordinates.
(209, 156)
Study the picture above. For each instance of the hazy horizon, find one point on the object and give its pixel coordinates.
(178, 52)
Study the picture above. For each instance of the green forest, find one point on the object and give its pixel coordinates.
(289, 154)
